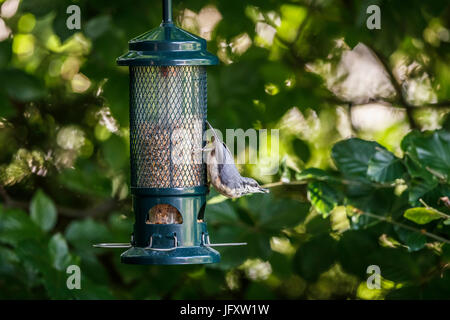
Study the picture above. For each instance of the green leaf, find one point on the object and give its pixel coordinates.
(431, 151)
(446, 123)
(221, 213)
(97, 26)
(318, 225)
(285, 173)
(277, 72)
(353, 249)
(115, 152)
(407, 143)
(379, 201)
(16, 226)
(384, 167)
(274, 214)
(416, 170)
(418, 188)
(434, 152)
(86, 178)
(82, 234)
(6, 108)
(113, 92)
(21, 86)
(59, 252)
(36, 255)
(43, 211)
(359, 249)
(323, 197)
(291, 18)
(253, 219)
(446, 252)
(301, 149)
(281, 265)
(396, 264)
(315, 257)
(413, 240)
(421, 215)
(60, 25)
(5, 53)
(352, 156)
(8, 263)
(39, 9)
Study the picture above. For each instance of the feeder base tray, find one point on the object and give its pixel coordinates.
(180, 255)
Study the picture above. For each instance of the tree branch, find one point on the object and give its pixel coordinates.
(404, 226)
(350, 119)
(400, 100)
(398, 89)
(280, 183)
(443, 215)
(439, 104)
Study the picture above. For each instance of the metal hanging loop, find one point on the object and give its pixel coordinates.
(163, 249)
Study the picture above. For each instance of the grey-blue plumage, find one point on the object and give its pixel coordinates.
(223, 174)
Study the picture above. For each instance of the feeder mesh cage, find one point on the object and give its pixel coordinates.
(167, 119)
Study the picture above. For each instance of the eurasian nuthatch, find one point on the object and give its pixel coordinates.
(222, 172)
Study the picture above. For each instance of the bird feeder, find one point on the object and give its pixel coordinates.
(167, 122)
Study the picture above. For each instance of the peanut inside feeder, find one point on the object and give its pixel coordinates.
(164, 214)
(169, 115)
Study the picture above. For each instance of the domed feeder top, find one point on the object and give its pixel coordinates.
(167, 45)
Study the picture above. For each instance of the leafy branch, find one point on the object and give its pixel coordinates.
(97, 210)
(402, 225)
(443, 215)
(375, 216)
(367, 171)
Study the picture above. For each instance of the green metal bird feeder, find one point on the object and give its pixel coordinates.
(167, 123)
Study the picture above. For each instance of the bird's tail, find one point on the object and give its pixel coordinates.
(213, 131)
(217, 140)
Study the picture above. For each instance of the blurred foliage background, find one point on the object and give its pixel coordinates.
(310, 68)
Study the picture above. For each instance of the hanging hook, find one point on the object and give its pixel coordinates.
(167, 11)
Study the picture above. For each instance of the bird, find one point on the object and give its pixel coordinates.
(222, 172)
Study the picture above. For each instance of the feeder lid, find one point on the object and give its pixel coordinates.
(167, 45)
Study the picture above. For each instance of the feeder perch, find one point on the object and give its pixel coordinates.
(167, 121)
